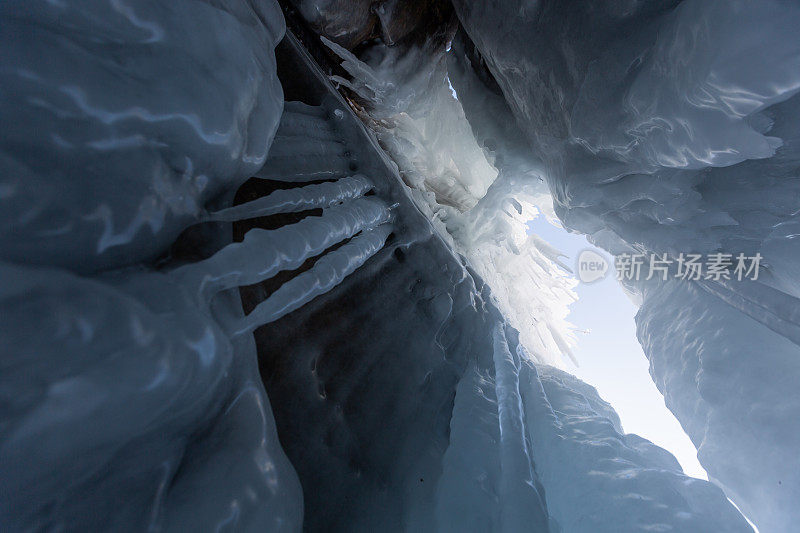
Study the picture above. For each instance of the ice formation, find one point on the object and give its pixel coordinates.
(479, 197)
(223, 311)
(126, 402)
(671, 127)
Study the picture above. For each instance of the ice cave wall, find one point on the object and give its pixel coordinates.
(668, 128)
(412, 399)
(125, 404)
(165, 260)
(476, 179)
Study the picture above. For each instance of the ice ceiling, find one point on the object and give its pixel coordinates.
(260, 286)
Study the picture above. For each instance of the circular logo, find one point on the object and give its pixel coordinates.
(591, 266)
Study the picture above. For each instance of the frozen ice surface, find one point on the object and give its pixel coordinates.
(402, 322)
(524, 453)
(116, 138)
(523, 434)
(601, 480)
(125, 405)
(474, 182)
(672, 127)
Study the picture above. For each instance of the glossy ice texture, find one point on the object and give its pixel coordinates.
(672, 127)
(531, 448)
(126, 402)
(382, 286)
(122, 120)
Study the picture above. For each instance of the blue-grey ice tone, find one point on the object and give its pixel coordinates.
(126, 405)
(672, 127)
(233, 300)
(123, 120)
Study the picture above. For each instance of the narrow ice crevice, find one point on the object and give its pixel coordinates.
(553, 435)
(591, 471)
(610, 356)
(521, 431)
(132, 357)
(676, 131)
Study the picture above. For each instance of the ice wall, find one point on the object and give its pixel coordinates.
(127, 400)
(668, 128)
(109, 153)
(143, 312)
(527, 447)
(477, 187)
(524, 433)
(350, 23)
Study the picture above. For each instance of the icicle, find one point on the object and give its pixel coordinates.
(520, 502)
(371, 96)
(562, 344)
(299, 199)
(300, 147)
(306, 148)
(357, 68)
(311, 168)
(305, 127)
(263, 253)
(466, 494)
(327, 273)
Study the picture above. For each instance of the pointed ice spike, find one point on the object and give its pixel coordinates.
(327, 273)
(298, 199)
(263, 253)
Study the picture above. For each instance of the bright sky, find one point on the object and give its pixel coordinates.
(611, 358)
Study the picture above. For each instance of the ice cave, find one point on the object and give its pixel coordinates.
(371, 265)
